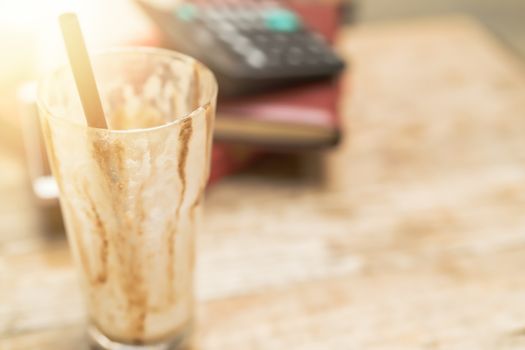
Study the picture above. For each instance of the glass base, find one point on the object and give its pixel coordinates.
(99, 341)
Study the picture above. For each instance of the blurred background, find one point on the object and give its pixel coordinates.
(502, 17)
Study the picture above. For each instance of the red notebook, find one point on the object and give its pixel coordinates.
(303, 116)
(227, 159)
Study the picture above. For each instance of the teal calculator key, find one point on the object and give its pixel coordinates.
(186, 12)
(281, 20)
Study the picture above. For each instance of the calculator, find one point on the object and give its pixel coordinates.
(250, 45)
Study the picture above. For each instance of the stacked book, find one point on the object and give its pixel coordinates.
(304, 117)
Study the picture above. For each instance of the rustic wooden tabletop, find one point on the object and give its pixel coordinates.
(411, 238)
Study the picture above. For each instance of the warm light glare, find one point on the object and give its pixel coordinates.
(29, 38)
(30, 14)
(31, 42)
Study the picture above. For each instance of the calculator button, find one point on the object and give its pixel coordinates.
(241, 44)
(295, 56)
(186, 12)
(256, 58)
(281, 20)
(225, 27)
(261, 39)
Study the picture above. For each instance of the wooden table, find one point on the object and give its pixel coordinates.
(413, 238)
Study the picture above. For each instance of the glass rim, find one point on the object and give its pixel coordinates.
(153, 51)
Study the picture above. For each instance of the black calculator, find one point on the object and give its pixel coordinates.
(250, 45)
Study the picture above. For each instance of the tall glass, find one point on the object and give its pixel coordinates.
(130, 195)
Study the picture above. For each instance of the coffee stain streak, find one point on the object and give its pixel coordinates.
(132, 283)
(194, 92)
(137, 291)
(208, 116)
(101, 233)
(184, 137)
(196, 203)
(137, 299)
(110, 156)
(185, 133)
(170, 234)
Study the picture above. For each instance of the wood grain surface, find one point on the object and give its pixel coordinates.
(413, 237)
